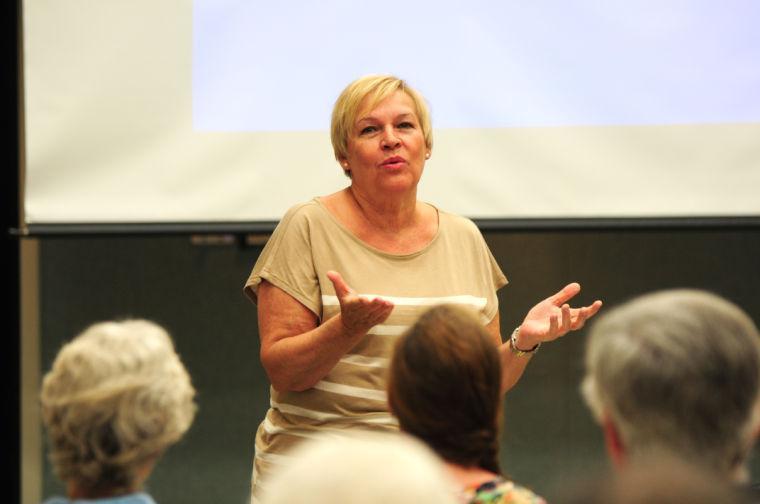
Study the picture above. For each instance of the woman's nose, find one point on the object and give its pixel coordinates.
(390, 140)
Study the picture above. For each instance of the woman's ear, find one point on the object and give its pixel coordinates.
(756, 421)
(346, 167)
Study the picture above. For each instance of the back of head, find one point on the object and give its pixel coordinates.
(678, 372)
(116, 397)
(444, 386)
(362, 468)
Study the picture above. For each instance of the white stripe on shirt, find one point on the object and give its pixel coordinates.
(360, 360)
(273, 458)
(382, 419)
(388, 330)
(348, 390)
(465, 299)
(322, 432)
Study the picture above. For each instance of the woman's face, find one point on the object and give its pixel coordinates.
(386, 148)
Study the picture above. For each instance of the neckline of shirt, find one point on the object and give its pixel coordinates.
(376, 250)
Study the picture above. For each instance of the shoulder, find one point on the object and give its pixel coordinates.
(461, 230)
(501, 491)
(57, 500)
(136, 498)
(300, 218)
(304, 211)
(457, 222)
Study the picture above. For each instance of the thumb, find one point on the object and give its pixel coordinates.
(341, 288)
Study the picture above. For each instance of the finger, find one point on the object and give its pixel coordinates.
(374, 302)
(553, 324)
(341, 288)
(384, 313)
(566, 294)
(383, 303)
(566, 318)
(595, 306)
(585, 313)
(579, 318)
(362, 307)
(371, 314)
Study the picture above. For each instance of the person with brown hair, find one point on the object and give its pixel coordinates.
(444, 388)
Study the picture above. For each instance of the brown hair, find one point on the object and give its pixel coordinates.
(444, 386)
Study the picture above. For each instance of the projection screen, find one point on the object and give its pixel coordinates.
(213, 111)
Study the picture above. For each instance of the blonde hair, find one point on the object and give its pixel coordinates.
(375, 88)
(678, 372)
(116, 397)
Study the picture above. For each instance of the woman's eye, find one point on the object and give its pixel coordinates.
(406, 124)
(368, 129)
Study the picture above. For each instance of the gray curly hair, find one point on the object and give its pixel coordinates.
(116, 397)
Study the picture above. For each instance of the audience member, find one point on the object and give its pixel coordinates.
(116, 397)
(663, 480)
(360, 468)
(676, 373)
(444, 388)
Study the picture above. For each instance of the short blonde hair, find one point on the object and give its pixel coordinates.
(376, 88)
(678, 372)
(116, 397)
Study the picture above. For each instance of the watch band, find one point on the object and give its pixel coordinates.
(518, 351)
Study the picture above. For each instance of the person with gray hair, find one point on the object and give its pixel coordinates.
(361, 467)
(116, 398)
(676, 374)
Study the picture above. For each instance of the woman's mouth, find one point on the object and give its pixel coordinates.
(393, 163)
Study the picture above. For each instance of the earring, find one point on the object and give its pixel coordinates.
(427, 155)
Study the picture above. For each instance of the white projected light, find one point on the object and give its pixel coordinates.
(540, 109)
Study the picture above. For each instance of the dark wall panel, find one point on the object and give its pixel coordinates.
(196, 292)
(550, 438)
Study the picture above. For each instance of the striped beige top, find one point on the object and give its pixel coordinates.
(455, 267)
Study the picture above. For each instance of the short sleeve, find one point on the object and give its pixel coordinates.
(469, 263)
(287, 261)
(497, 279)
(497, 275)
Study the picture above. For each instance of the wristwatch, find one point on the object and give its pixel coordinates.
(513, 345)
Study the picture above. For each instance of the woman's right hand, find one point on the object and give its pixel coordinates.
(358, 313)
(296, 350)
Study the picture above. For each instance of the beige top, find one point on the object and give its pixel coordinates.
(455, 267)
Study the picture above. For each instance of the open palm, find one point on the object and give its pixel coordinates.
(553, 317)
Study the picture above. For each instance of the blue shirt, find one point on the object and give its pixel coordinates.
(135, 498)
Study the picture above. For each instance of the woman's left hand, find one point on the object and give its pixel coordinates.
(553, 317)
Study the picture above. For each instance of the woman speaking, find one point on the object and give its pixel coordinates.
(344, 274)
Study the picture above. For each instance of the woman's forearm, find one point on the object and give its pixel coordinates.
(296, 363)
(512, 366)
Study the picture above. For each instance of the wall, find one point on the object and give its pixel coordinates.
(196, 292)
